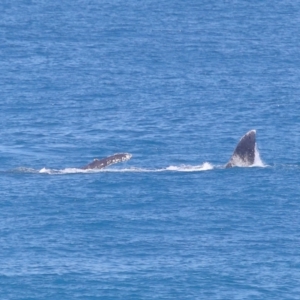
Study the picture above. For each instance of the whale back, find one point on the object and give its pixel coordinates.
(107, 161)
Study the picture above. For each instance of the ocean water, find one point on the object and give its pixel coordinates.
(176, 84)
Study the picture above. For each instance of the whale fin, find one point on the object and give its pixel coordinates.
(244, 153)
(104, 162)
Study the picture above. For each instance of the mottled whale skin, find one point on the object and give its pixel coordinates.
(107, 161)
(244, 153)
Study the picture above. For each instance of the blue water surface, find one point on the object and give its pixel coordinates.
(176, 84)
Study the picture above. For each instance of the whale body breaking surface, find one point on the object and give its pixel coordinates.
(107, 161)
(244, 153)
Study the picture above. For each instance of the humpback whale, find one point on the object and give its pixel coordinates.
(107, 161)
(244, 153)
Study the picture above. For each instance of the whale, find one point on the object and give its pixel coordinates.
(244, 153)
(107, 161)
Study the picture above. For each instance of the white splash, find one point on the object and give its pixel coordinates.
(182, 168)
(68, 171)
(186, 168)
(257, 160)
(44, 170)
